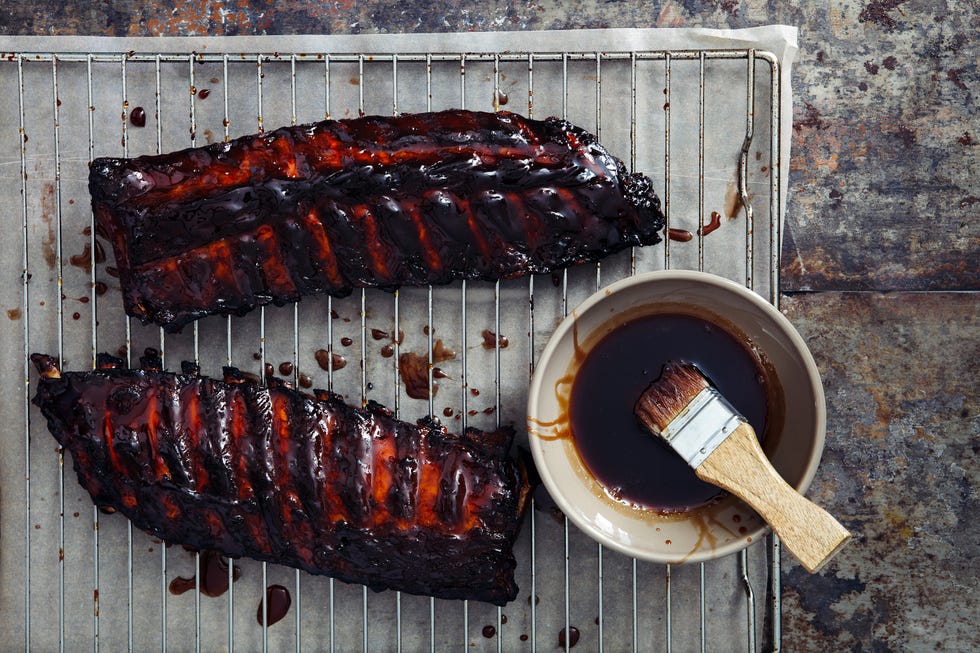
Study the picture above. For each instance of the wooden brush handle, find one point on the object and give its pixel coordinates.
(738, 465)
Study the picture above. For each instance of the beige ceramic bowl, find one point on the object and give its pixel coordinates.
(794, 445)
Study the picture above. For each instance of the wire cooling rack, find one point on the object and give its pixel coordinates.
(703, 124)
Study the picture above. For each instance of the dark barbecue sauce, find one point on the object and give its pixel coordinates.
(278, 600)
(569, 640)
(634, 466)
(214, 576)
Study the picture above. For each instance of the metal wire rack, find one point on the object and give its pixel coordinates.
(72, 578)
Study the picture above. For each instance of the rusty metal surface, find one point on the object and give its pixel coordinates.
(883, 196)
(899, 470)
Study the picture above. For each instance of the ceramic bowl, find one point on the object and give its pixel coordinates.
(794, 442)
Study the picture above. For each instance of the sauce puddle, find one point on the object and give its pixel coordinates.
(633, 466)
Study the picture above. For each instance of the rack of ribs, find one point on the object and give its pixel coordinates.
(279, 475)
(372, 202)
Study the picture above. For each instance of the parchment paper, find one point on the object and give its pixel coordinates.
(71, 572)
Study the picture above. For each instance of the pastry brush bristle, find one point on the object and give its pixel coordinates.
(665, 398)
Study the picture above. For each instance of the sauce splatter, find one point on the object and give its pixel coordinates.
(285, 368)
(138, 117)
(326, 359)
(491, 340)
(489, 631)
(47, 215)
(711, 226)
(414, 370)
(732, 200)
(679, 235)
(569, 640)
(278, 600)
(84, 260)
(214, 576)
(440, 352)
(13, 313)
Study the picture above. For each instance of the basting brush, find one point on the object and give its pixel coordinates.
(722, 448)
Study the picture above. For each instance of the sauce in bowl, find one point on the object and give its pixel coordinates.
(634, 466)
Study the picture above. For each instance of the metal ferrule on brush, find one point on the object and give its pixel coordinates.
(703, 425)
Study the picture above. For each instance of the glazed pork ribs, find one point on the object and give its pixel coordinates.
(379, 202)
(300, 480)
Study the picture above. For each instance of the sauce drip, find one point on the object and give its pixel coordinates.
(634, 466)
(278, 599)
(570, 640)
(491, 340)
(328, 360)
(83, 260)
(711, 226)
(138, 117)
(679, 235)
(214, 576)
(414, 370)
(440, 352)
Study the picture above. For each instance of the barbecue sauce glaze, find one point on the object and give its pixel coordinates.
(292, 478)
(376, 201)
(634, 466)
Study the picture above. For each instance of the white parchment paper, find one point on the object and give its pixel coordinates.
(67, 574)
